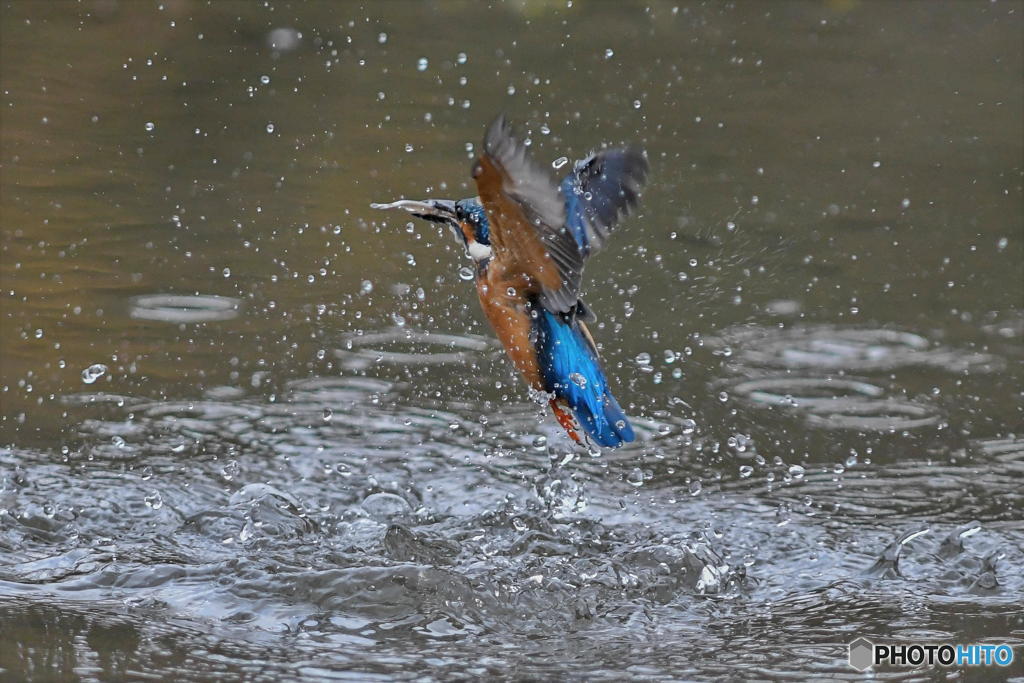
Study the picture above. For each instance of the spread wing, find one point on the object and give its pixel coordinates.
(526, 212)
(599, 191)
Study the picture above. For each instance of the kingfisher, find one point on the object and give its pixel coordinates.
(529, 238)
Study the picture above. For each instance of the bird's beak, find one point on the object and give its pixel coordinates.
(436, 210)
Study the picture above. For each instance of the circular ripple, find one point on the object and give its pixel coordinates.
(873, 416)
(409, 347)
(1008, 325)
(176, 308)
(838, 403)
(804, 392)
(99, 398)
(829, 348)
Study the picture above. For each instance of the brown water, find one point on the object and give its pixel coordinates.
(253, 429)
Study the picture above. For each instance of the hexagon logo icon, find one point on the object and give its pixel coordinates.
(862, 654)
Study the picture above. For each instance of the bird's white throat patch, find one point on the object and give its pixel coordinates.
(478, 252)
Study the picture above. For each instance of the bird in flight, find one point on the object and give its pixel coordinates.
(529, 238)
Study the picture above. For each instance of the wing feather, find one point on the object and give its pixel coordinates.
(526, 213)
(599, 191)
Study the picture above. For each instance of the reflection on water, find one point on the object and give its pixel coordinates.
(254, 430)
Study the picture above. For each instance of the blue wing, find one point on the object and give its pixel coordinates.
(597, 192)
(600, 190)
(571, 372)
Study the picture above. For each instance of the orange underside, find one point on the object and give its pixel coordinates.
(564, 418)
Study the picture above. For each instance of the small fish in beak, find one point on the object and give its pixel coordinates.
(436, 210)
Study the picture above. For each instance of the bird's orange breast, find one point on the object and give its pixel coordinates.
(504, 302)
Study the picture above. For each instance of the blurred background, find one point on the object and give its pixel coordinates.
(252, 427)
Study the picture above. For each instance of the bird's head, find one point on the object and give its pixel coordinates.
(466, 218)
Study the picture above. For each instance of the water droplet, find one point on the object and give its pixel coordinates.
(643, 358)
(461, 58)
(635, 478)
(466, 273)
(93, 372)
(328, 414)
(386, 506)
(695, 487)
(270, 127)
(559, 162)
(284, 38)
(579, 380)
(422, 64)
(540, 443)
(264, 79)
(230, 470)
(150, 126)
(154, 500)
(382, 38)
(609, 53)
(723, 396)
(366, 287)
(796, 471)
(636, 104)
(746, 471)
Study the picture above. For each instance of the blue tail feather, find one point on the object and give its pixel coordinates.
(572, 372)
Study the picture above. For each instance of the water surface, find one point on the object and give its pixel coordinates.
(253, 428)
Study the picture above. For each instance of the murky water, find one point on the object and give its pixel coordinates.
(253, 428)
